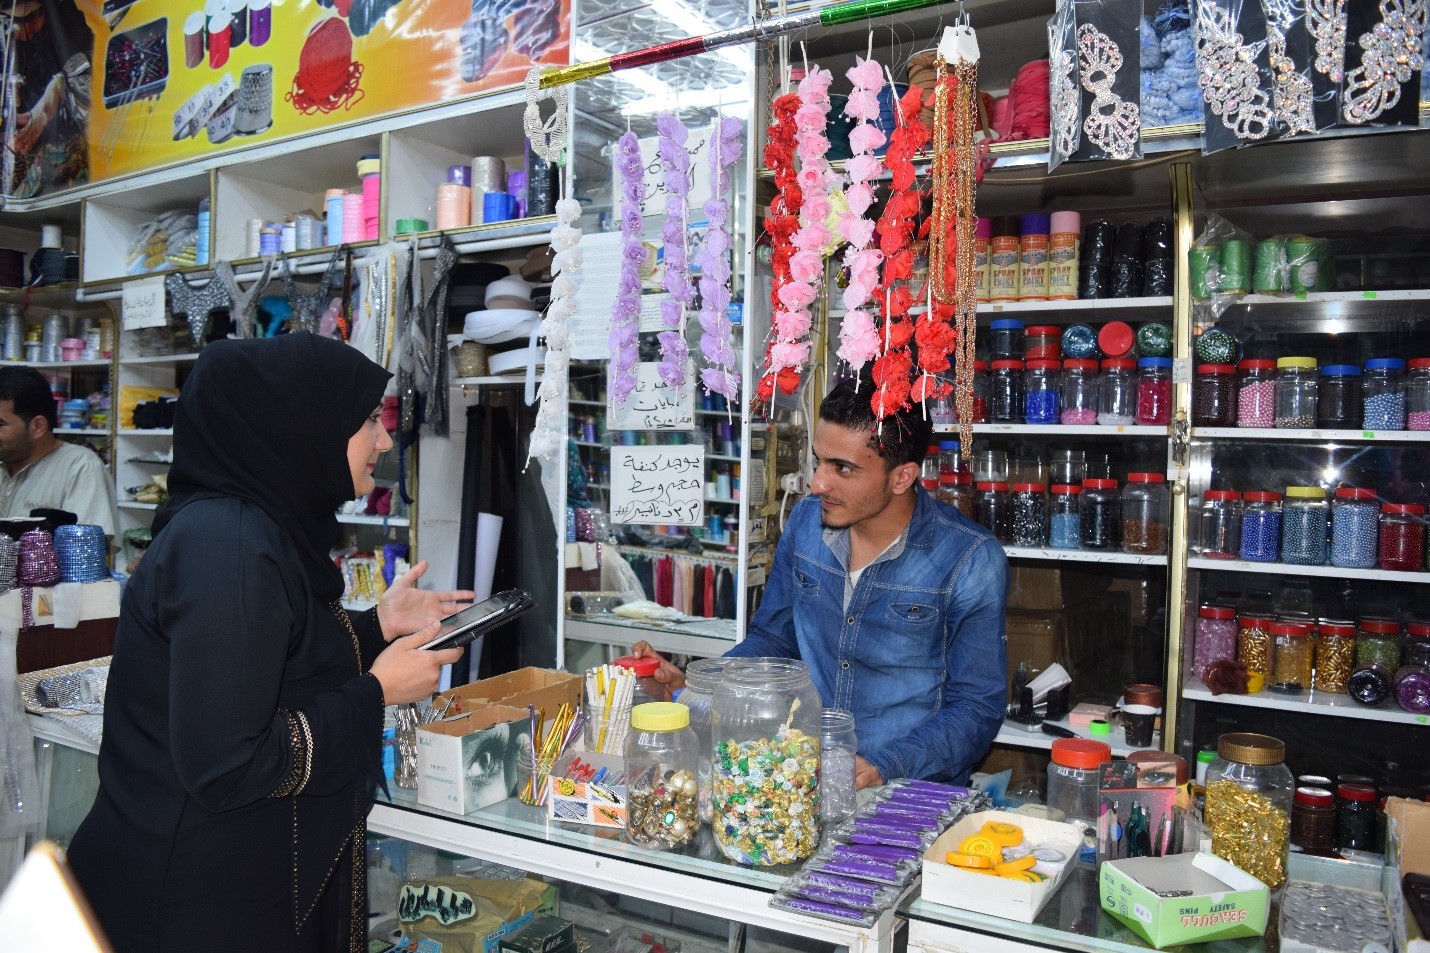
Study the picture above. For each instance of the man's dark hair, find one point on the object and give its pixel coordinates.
(904, 436)
(27, 389)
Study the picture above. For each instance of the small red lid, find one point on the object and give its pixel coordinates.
(1074, 488)
(1043, 331)
(933, 450)
(644, 667)
(1217, 612)
(1221, 495)
(1314, 797)
(1007, 365)
(1099, 484)
(1355, 792)
(1081, 753)
(948, 478)
(1421, 630)
(1216, 369)
(1115, 338)
(1380, 626)
(1079, 364)
(1296, 629)
(1403, 509)
(1118, 363)
(1419, 363)
(1146, 478)
(997, 487)
(980, 365)
(1343, 629)
(929, 483)
(1247, 621)
(1262, 496)
(1030, 487)
(1354, 493)
(1043, 365)
(965, 479)
(1253, 364)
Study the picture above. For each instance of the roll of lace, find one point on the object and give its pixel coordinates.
(38, 565)
(1157, 277)
(1128, 245)
(1097, 240)
(1157, 239)
(9, 561)
(1126, 279)
(1094, 281)
(80, 551)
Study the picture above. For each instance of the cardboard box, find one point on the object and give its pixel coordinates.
(539, 687)
(466, 914)
(543, 934)
(1034, 589)
(997, 896)
(582, 802)
(1039, 638)
(1226, 902)
(468, 761)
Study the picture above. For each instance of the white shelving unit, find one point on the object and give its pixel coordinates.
(1012, 736)
(1079, 306)
(1058, 430)
(1286, 569)
(1313, 702)
(362, 519)
(1317, 436)
(1082, 556)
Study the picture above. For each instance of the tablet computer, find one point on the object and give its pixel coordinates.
(460, 628)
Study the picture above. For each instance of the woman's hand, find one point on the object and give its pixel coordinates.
(668, 674)
(404, 608)
(407, 672)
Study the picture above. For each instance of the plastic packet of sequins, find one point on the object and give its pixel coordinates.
(873, 862)
(1109, 78)
(903, 833)
(1322, 918)
(857, 901)
(1234, 73)
(1064, 93)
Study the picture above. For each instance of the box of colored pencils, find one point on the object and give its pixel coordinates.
(588, 789)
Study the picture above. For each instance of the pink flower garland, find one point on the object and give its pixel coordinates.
(626, 311)
(676, 162)
(858, 337)
(713, 260)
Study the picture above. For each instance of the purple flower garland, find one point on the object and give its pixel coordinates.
(713, 259)
(676, 162)
(626, 311)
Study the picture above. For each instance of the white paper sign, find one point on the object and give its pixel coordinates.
(658, 485)
(143, 304)
(650, 319)
(654, 173)
(598, 277)
(654, 404)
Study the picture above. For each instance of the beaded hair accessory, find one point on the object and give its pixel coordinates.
(1112, 123)
(1291, 94)
(1227, 74)
(547, 138)
(1391, 56)
(1326, 20)
(1064, 101)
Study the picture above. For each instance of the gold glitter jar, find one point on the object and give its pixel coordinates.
(1248, 806)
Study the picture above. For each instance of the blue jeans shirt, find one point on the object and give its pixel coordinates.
(918, 656)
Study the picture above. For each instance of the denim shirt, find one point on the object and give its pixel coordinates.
(918, 656)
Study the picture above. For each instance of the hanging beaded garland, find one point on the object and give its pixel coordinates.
(680, 290)
(9, 561)
(719, 374)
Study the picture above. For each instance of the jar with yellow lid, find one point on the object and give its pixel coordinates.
(1305, 524)
(1248, 805)
(1296, 393)
(662, 790)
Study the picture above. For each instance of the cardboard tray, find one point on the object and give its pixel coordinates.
(996, 896)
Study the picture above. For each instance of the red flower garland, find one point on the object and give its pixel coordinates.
(781, 222)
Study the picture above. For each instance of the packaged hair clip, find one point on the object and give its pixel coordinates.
(890, 812)
(864, 916)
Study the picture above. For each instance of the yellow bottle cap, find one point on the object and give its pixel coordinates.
(969, 861)
(1006, 835)
(981, 845)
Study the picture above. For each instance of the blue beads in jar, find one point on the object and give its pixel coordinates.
(1079, 341)
(1355, 528)
(1041, 392)
(1064, 521)
(1383, 390)
(1304, 526)
(1261, 526)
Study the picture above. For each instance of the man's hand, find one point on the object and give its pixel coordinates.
(404, 608)
(668, 675)
(30, 126)
(865, 774)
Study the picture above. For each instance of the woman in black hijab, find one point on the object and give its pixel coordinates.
(243, 716)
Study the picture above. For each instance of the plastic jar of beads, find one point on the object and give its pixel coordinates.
(1099, 515)
(1417, 395)
(1412, 688)
(961, 496)
(1335, 655)
(1415, 650)
(991, 509)
(1219, 525)
(1370, 684)
(1043, 343)
(1041, 392)
(1006, 339)
(662, 790)
(702, 677)
(1248, 805)
(1338, 405)
(1402, 537)
(1154, 391)
(1355, 817)
(1030, 514)
(1117, 392)
(1296, 393)
(1079, 392)
(1261, 526)
(1355, 518)
(1256, 394)
(1383, 390)
(1291, 657)
(1215, 638)
(1005, 403)
(1378, 641)
(982, 390)
(765, 722)
(1145, 505)
(1253, 644)
(1064, 522)
(1304, 526)
(1313, 819)
(1214, 396)
(1072, 778)
(990, 466)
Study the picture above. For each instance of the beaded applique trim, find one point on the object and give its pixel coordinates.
(1391, 57)
(1227, 74)
(1112, 122)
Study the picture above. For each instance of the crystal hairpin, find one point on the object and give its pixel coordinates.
(1292, 95)
(1111, 123)
(1227, 74)
(1064, 102)
(1391, 57)
(1326, 20)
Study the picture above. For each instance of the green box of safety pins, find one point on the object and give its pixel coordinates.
(1183, 898)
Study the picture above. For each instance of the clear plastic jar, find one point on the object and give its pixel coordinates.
(1256, 394)
(1072, 778)
(1030, 514)
(1215, 638)
(1005, 404)
(1253, 644)
(990, 466)
(1261, 526)
(1355, 519)
(1305, 526)
(1338, 405)
(1006, 339)
(1079, 393)
(1335, 655)
(1417, 395)
(1313, 819)
(1100, 515)
(1154, 391)
(838, 746)
(962, 494)
(1145, 514)
(950, 458)
(1214, 396)
(1068, 466)
(1370, 684)
(702, 677)
(1041, 392)
(766, 718)
(992, 510)
(1248, 805)
(1355, 817)
(1291, 657)
(1415, 650)
(1402, 537)
(1219, 525)
(948, 488)
(1383, 390)
(647, 689)
(1412, 689)
(1296, 393)
(1044, 343)
(1064, 522)
(662, 793)
(982, 390)
(1117, 392)
(1378, 641)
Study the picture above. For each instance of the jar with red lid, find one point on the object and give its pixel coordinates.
(1030, 514)
(1079, 392)
(1145, 514)
(1402, 537)
(1215, 638)
(1214, 396)
(1417, 395)
(961, 495)
(1100, 515)
(991, 509)
(1415, 650)
(1378, 642)
(1219, 525)
(1072, 778)
(1117, 392)
(947, 487)
(1355, 518)
(1291, 657)
(982, 388)
(1154, 391)
(1043, 342)
(1313, 819)
(647, 689)
(1261, 526)
(1256, 394)
(1064, 520)
(1335, 655)
(1005, 401)
(1355, 817)
(1253, 644)
(1042, 386)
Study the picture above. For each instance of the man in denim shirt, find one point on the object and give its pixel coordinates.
(893, 599)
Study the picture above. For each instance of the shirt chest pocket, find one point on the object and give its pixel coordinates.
(806, 584)
(912, 609)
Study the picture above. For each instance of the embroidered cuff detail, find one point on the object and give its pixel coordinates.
(300, 743)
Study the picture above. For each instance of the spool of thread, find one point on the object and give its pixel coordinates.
(305, 232)
(12, 268)
(497, 207)
(1203, 266)
(51, 236)
(1098, 237)
(220, 30)
(55, 329)
(37, 564)
(460, 175)
(1033, 257)
(14, 333)
(1157, 278)
(238, 10)
(194, 40)
(9, 561)
(260, 21)
(1128, 245)
(1269, 271)
(80, 553)
(371, 204)
(1303, 261)
(1157, 240)
(543, 182)
(47, 266)
(454, 205)
(1028, 113)
(353, 225)
(488, 174)
(201, 240)
(270, 239)
(1063, 228)
(516, 188)
(1235, 266)
(1126, 279)
(333, 206)
(255, 100)
(982, 261)
(253, 238)
(1094, 282)
(290, 237)
(408, 226)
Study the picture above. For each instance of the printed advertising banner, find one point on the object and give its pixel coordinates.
(106, 88)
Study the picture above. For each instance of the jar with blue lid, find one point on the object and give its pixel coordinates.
(1383, 389)
(1355, 528)
(1006, 339)
(1338, 405)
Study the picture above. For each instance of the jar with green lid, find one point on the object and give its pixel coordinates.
(1296, 393)
(1305, 524)
(1378, 641)
(1335, 655)
(702, 677)
(662, 794)
(1248, 805)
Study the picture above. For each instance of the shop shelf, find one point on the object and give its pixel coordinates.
(136, 505)
(362, 519)
(579, 402)
(154, 432)
(1015, 737)
(518, 381)
(721, 456)
(722, 500)
(41, 296)
(1315, 703)
(161, 359)
(82, 431)
(586, 443)
(1082, 556)
(418, 157)
(1311, 436)
(1283, 569)
(1058, 430)
(96, 364)
(1077, 305)
(110, 223)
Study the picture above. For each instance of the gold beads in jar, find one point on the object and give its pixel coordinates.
(1248, 830)
(662, 810)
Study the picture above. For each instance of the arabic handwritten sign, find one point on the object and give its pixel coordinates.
(654, 404)
(660, 485)
(142, 304)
